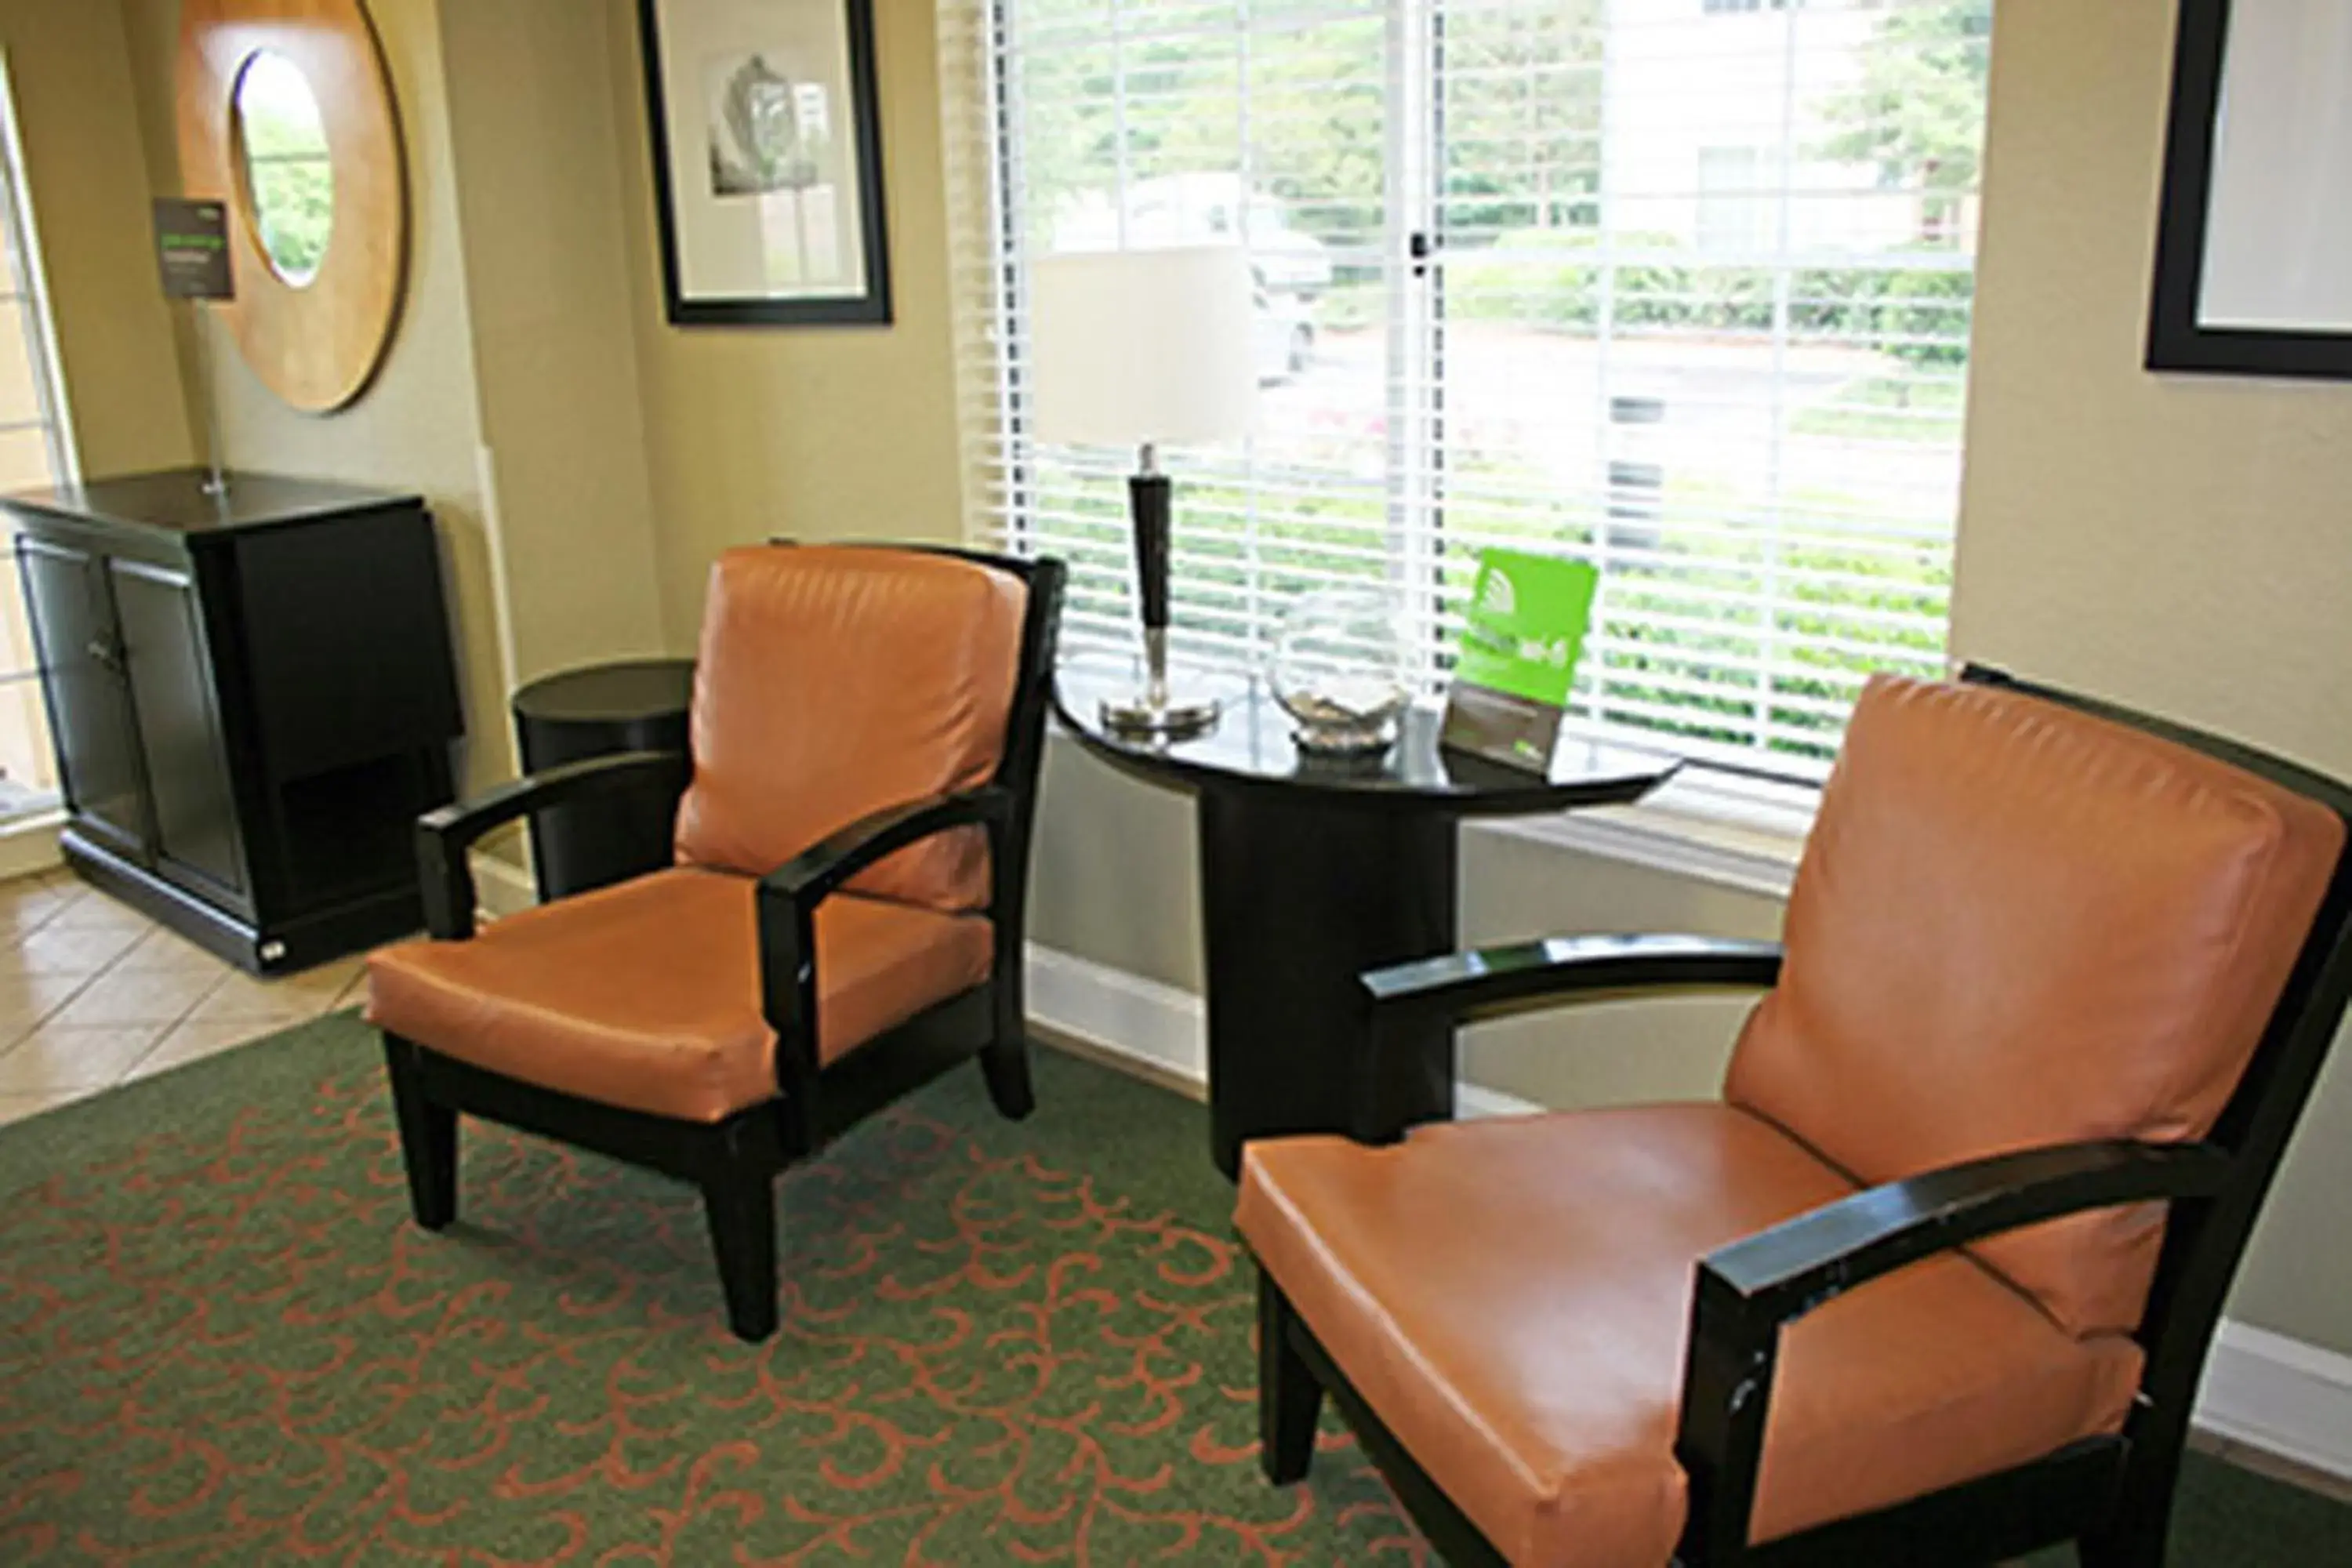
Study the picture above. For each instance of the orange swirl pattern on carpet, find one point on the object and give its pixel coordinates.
(221, 1341)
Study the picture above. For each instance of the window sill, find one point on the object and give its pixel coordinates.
(1718, 828)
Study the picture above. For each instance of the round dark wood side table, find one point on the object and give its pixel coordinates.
(639, 705)
(1313, 870)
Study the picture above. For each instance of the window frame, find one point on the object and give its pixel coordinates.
(1014, 519)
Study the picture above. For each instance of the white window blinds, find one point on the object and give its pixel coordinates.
(1680, 288)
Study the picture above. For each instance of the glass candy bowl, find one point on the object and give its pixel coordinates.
(1339, 670)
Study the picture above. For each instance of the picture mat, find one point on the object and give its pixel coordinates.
(2278, 236)
(739, 246)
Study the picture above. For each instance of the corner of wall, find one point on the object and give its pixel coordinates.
(88, 171)
(544, 252)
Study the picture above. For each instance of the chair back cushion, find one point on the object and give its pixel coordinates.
(835, 680)
(2017, 924)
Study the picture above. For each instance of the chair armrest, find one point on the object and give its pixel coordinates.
(1779, 1275)
(1406, 999)
(1746, 1293)
(789, 897)
(1562, 969)
(817, 872)
(443, 836)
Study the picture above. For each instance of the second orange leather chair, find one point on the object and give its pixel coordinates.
(1911, 1292)
(853, 847)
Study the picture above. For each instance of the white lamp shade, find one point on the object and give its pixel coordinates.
(1130, 346)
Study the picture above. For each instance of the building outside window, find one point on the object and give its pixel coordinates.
(1519, 260)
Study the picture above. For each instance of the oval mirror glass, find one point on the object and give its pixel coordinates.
(289, 179)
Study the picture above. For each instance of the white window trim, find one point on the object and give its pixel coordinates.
(1719, 828)
(48, 377)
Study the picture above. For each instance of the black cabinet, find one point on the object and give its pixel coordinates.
(253, 699)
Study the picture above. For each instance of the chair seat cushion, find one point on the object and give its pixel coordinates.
(647, 994)
(1512, 1299)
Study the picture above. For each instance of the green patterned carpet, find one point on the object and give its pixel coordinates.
(222, 1343)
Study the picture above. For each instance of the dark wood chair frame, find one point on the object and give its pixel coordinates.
(2110, 1495)
(735, 1162)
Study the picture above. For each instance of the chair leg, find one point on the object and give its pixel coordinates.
(2135, 1535)
(740, 1203)
(1005, 1058)
(428, 1138)
(1006, 1065)
(2131, 1544)
(1289, 1400)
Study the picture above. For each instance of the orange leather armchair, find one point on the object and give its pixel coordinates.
(1935, 1281)
(853, 846)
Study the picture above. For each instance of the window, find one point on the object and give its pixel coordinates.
(1592, 275)
(33, 453)
(1734, 212)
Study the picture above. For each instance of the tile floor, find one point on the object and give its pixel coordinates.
(93, 993)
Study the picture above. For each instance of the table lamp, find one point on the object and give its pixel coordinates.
(1145, 348)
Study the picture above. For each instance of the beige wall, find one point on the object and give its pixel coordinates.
(1615, 1053)
(2177, 542)
(555, 357)
(70, 66)
(813, 432)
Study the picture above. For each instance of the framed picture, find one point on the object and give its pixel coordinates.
(767, 149)
(2252, 270)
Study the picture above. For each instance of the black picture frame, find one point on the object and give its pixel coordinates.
(2177, 339)
(870, 304)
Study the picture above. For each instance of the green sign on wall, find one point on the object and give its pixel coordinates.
(192, 248)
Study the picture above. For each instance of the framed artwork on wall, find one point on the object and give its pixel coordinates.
(2254, 263)
(767, 149)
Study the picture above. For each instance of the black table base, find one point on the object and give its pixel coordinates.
(1299, 897)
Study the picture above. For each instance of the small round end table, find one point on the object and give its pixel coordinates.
(1313, 870)
(639, 705)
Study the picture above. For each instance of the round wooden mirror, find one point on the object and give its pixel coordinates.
(286, 113)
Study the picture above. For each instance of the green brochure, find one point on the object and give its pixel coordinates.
(1524, 628)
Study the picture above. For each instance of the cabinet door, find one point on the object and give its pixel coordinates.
(81, 678)
(178, 720)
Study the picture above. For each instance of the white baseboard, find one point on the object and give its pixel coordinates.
(1122, 1014)
(2279, 1394)
(2270, 1392)
(31, 844)
(502, 887)
(1161, 1026)
(1473, 1100)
